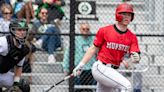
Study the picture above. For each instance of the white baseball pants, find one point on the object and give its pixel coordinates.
(6, 79)
(109, 79)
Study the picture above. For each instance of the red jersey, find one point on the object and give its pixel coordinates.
(114, 44)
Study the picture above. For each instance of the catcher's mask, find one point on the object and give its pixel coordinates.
(19, 25)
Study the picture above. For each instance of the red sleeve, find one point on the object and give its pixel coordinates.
(99, 39)
(134, 46)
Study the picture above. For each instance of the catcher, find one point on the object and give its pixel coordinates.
(12, 55)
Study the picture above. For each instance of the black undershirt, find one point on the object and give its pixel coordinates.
(119, 31)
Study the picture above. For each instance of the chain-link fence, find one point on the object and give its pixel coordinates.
(148, 24)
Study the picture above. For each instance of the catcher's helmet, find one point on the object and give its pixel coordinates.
(123, 8)
(17, 25)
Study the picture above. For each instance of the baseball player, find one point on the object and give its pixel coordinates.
(12, 54)
(112, 42)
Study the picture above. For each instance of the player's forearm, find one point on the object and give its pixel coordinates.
(89, 54)
(18, 71)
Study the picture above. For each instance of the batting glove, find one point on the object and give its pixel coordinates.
(135, 57)
(78, 69)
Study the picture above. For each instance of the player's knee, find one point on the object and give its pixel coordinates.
(8, 84)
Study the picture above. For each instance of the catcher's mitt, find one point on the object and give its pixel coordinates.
(15, 88)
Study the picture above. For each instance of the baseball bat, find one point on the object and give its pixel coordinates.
(65, 78)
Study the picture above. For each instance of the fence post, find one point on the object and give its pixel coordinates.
(72, 42)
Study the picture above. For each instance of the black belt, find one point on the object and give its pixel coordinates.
(113, 66)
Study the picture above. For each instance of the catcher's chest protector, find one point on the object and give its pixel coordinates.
(14, 56)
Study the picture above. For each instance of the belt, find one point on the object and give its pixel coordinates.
(112, 66)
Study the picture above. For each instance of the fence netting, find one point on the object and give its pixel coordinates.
(90, 15)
